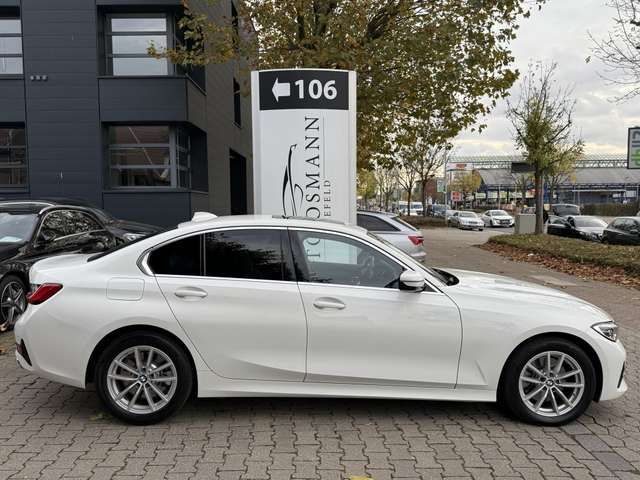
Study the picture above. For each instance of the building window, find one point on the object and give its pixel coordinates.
(237, 105)
(129, 37)
(13, 158)
(10, 45)
(149, 156)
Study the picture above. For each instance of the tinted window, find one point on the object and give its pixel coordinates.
(590, 222)
(257, 254)
(334, 259)
(182, 257)
(63, 223)
(374, 224)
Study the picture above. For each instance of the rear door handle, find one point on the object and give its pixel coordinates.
(190, 292)
(322, 303)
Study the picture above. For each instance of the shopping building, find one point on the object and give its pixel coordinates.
(86, 113)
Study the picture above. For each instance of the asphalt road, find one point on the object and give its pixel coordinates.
(51, 431)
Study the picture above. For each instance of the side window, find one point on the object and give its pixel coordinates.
(181, 257)
(375, 224)
(334, 259)
(62, 223)
(260, 254)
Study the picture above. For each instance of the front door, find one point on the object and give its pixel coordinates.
(234, 293)
(362, 327)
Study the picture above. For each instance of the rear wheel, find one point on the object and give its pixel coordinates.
(143, 378)
(548, 382)
(13, 301)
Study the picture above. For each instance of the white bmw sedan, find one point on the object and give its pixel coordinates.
(264, 306)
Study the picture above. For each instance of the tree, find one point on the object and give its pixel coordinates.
(366, 185)
(387, 180)
(620, 49)
(447, 60)
(467, 183)
(522, 183)
(426, 161)
(407, 178)
(562, 169)
(542, 120)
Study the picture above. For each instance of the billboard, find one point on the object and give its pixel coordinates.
(633, 148)
(304, 143)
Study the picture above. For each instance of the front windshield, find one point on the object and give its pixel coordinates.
(567, 210)
(467, 214)
(499, 213)
(17, 227)
(586, 222)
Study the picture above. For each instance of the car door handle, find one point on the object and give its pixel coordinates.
(323, 303)
(190, 292)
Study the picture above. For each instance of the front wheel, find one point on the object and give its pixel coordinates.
(143, 378)
(13, 301)
(548, 382)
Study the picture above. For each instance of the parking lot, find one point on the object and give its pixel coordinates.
(52, 431)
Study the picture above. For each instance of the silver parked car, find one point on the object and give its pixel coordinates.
(466, 220)
(391, 228)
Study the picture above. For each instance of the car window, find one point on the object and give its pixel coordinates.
(256, 254)
(334, 259)
(180, 257)
(467, 215)
(374, 224)
(62, 223)
(17, 227)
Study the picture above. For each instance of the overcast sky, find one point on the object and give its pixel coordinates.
(560, 33)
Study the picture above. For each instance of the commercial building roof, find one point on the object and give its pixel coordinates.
(611, 177)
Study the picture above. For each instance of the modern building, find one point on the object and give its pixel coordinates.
(596, 179)
(86, 113)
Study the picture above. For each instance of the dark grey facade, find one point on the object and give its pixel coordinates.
(104, 122)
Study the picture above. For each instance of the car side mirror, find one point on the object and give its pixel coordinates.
(411, 281)
(44, 237)
(634, 231)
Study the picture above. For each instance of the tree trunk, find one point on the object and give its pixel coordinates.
(539, 203)
(409, 200)
(424, 198)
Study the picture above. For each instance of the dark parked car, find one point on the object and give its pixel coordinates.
(578, 226)
(623, 231)
(564, 209)
(31, 231)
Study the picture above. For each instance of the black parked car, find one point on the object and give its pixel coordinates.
(578, 226)
(31, 231)
(623, 231)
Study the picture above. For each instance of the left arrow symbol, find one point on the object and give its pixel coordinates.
(281, 89)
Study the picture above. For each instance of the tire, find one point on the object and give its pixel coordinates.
(570, 401)
(149, 406)
(13, 301)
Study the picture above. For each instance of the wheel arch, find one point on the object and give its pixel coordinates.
(22, 275)
(588, 349)
(111, 336)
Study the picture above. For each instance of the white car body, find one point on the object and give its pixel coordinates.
(267, 338)
(466, 220)
(497, 218)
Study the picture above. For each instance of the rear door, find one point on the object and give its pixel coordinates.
(234, 292)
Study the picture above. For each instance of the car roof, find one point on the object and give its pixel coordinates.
(373, 213)
(205, 220)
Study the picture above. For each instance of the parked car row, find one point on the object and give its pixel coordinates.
(621, 231)
(31, 230)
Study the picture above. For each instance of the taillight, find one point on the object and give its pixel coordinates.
(43, 293)
(416, 239)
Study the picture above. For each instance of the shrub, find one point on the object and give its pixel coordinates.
(611, 209)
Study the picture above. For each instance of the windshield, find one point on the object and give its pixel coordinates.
(499, 213)
(587, 222)
(467, 214)
(17, 227)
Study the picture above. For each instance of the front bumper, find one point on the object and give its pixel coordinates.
(612, 359)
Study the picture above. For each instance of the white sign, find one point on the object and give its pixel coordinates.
(304, 143)
(633, 148)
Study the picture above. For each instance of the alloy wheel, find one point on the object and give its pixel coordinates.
(142, 379)
(551, 384)
(13, 302)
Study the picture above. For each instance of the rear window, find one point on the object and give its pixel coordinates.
(404, 224)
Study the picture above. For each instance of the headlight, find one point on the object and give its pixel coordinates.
(129, 237)
(608, 330)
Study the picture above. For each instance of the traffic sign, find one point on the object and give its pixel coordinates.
(304, 143)
(633, 150)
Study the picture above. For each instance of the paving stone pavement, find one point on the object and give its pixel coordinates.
(51, 431)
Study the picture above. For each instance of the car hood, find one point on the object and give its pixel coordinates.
(514, 290)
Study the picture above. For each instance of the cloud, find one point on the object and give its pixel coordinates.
(560, 33)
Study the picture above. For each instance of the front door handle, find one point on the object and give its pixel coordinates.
(322, 303)
(190, 292)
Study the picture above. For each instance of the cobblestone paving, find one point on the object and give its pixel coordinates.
(51, 431)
